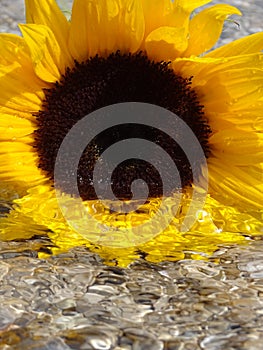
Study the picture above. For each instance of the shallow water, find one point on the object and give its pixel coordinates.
(74, 301)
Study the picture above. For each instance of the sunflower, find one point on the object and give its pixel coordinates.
(112, 52)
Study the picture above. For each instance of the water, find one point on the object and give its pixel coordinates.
(74, 301)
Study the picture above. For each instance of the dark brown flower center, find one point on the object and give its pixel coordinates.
(101, 82)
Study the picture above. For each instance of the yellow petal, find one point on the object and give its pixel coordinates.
(224, 84)
(17, 226)
(105, 26)
(48, 58)
(247, 120)
(13, 48)
(196, 67)
(13, 127)
(231, 90)
(157, 13)
(226, 90)
(166, 43)
(49, 14)
(21, 91)
(249, 44)
(203, 68)
(252, 62)
(169, 13)
(206, 27)
(166, 13)
(242, 148)
(244, 85)
(18, 162)
(235, 185)
(183, 9)
(190, 5)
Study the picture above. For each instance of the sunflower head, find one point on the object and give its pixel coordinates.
(123, 130)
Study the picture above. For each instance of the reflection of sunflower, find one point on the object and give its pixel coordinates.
(115, 51)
